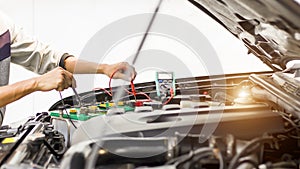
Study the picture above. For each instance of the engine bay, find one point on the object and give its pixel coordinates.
(231, 121)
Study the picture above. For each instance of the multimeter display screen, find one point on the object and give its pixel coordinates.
(165, 76)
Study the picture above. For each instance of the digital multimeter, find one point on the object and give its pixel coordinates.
(165, 82)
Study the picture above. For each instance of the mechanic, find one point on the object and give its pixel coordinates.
(56, 68)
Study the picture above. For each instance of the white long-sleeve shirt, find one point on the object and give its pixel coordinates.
(18, 48)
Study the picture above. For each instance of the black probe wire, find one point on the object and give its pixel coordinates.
(147, 32)
(2, 116)
(64, 108)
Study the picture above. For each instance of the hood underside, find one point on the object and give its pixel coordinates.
(270, 29)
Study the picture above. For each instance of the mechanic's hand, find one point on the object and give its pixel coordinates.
(124, 71)
(58, 79)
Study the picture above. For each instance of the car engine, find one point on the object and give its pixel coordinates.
(210, 123)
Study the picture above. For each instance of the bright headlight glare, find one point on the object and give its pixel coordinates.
(244, 94)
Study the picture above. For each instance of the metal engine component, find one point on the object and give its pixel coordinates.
(36, 144)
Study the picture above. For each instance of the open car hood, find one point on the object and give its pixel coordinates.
(270, 29)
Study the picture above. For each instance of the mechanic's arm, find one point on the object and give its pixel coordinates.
(58, 79)
(40, 58)
(124, 70)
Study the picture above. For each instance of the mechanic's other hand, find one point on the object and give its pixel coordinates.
(58, 79)
(124, 71)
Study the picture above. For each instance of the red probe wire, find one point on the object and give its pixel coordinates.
(106, 91)
(133, 91)
(110, 78)
(132, 88)
(171, 97)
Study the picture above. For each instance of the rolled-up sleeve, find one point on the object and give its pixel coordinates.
(30, 53)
